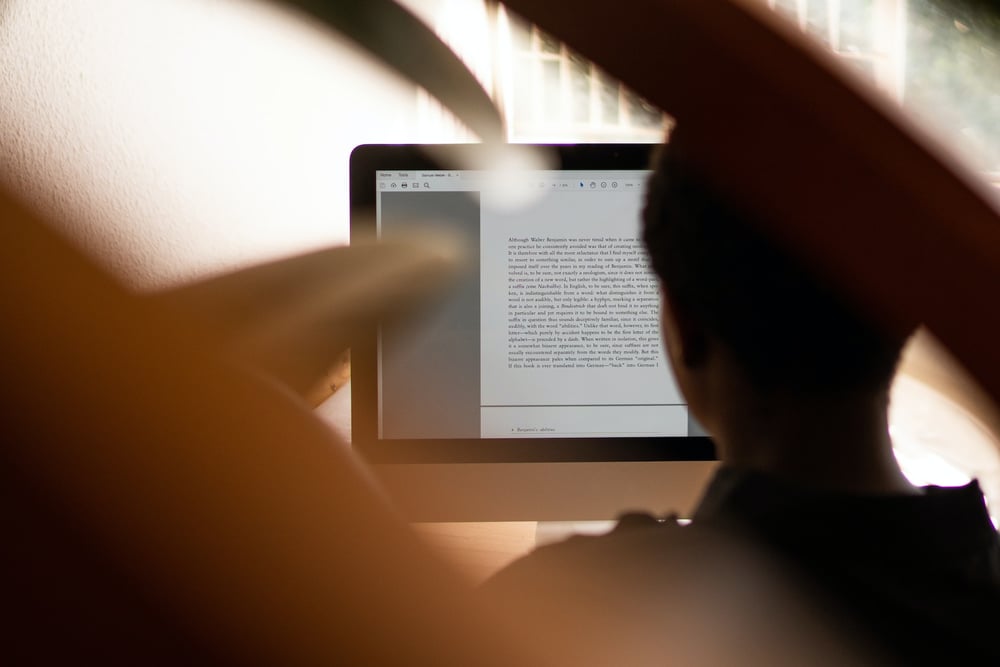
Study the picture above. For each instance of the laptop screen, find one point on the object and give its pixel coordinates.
(552, 333)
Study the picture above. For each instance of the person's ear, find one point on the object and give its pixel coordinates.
(686, 339)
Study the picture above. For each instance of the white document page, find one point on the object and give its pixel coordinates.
(570, 331)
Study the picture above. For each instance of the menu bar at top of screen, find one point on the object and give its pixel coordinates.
(583, 181)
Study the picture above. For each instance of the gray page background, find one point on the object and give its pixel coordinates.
(430, 364)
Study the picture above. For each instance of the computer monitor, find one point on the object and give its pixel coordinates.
(537, 387)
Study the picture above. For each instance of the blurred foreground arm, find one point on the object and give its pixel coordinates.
(200, 505)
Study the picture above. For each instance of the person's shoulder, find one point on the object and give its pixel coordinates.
(583, 565)
(652, 589)
(642, 553)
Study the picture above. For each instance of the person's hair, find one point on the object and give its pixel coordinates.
(784, 327)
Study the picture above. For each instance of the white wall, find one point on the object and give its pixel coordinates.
(178, 138)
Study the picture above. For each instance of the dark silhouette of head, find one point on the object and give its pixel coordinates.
(784, 327)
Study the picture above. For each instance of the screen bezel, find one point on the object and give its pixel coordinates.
(365, 161)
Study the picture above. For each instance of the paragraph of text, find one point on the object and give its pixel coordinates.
(580, 303)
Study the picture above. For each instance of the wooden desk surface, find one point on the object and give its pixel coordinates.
(479, 549)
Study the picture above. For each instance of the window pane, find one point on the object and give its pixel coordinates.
(551, 89)
(609, 98)
(579, 71)
(857, 26)
(522, 84)
(818, 20)
(520, 33)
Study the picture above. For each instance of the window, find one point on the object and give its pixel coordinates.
(938, 57)
(554, 94)
(868, 34)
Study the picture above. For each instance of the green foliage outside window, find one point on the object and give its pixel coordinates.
(953, 73)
